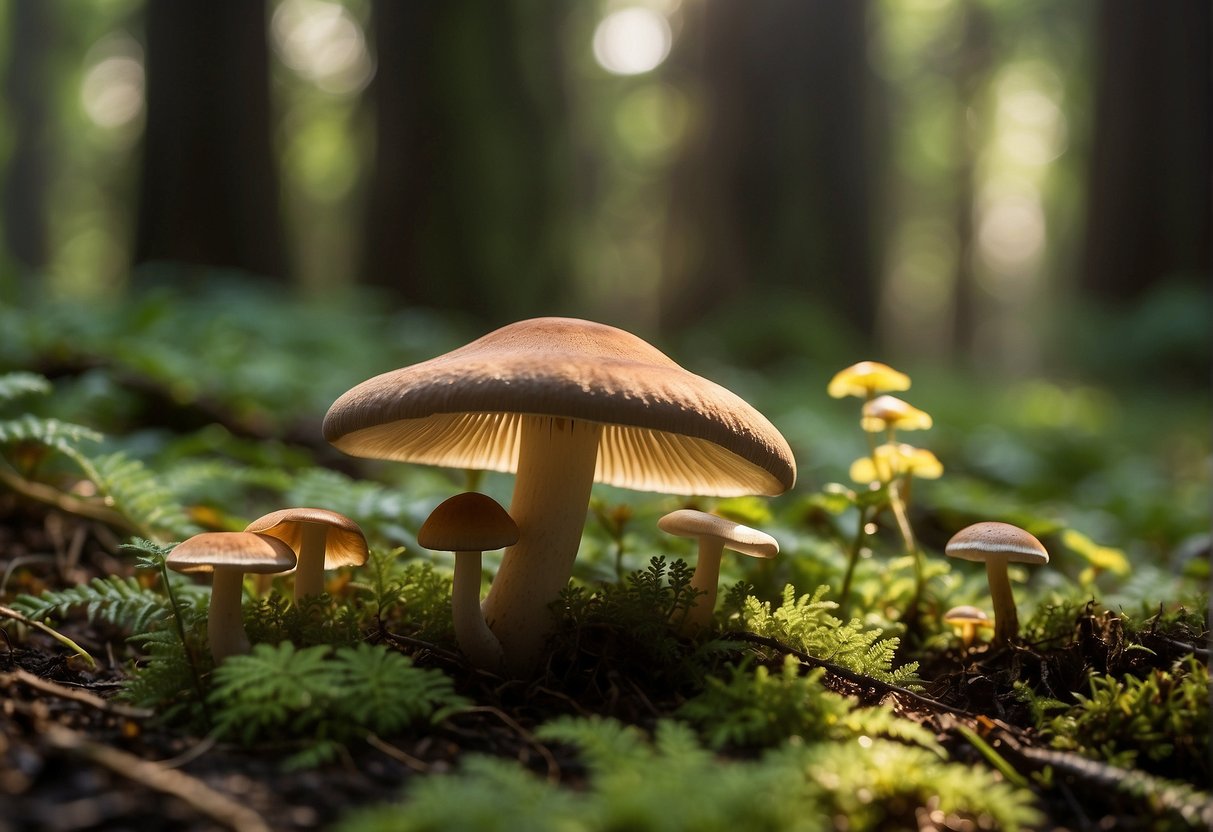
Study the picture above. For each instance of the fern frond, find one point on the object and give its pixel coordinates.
(805, 624)
(135, 492)
(18, 384)
(64, 437)
(120, 601)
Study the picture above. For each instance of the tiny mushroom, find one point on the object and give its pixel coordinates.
(866, 379)
(715, 534)
(563, 403)
(469, 524)
(229, 556)
(893, 459)
(321, 538)
(885, 413)
(998, 544)
(968, 619)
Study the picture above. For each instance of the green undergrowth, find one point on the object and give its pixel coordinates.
(107, 420)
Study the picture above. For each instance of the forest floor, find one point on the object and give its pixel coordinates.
(72, 757)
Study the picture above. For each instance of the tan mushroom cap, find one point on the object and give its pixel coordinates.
(967, 614)
(345, 544)
(470, 522)
(992, 540)
(691, 523)
(664, 429)
(231, 551)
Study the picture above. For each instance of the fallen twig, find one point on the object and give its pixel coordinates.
(845, 673)
(82, 696)
(192, 791)
(9, 612)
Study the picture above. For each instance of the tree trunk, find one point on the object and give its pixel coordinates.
(1148, 198)
(774, 191)
(209, 193)
(468, 206)
(23, 197)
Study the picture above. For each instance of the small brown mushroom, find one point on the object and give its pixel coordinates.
(996, 545)
(229, 556)
(715, 534)
(468, 525)
(322, 539)
(967, 619)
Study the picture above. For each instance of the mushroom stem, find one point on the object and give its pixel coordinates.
(475, 638)
(556, 461)
(705, 581)
(309, 574)
(224, 623)
(1006, 620)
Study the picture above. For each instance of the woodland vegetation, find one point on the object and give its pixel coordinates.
(219, 216)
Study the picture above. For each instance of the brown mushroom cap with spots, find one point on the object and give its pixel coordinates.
(715, 534)
(229, 556)
(468, 525)
(996, 545)
(562, 403)
(321, 538)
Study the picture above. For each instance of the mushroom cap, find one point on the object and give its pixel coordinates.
(231, 551)
(865, 378)
(344, 545)
(687, 522)
(468, 522)
(967, 614)
(991, 540)
(886, 411)
(664, 429)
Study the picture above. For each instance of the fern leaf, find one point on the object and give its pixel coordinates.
(16, 385)
(120, 601)
(64, 437)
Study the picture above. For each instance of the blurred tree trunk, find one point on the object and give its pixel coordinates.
(1148, 199)
(468, 205)
(23, 196)
(209, 191)
(774, 189)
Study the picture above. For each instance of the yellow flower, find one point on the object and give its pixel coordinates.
(885, 412)
(865, 378)
(893, 459)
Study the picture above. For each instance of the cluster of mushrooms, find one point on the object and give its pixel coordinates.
(562, 403)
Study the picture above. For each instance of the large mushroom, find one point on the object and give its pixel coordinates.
(562, 403)
(321, 538)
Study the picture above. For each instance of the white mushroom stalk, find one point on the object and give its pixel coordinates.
(556, 463)
(475, 638)
(224, 622)
(309, 574)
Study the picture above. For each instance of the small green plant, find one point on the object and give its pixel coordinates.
(325, 696)
(1159, 722)
(805, 624)
(755, 708)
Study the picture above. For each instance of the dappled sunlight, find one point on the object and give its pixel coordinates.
(632, 40)
(323, 43)
(112, 92)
